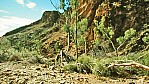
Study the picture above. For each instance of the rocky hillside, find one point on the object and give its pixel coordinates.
(40, 35)
(47, 20)
(119, 16)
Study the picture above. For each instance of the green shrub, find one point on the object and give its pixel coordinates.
(14, 55)
(86, 64)
(143, 59)
(35, 59)
(57, 46)
(15, 58)
(3, 57)
(10, 55)
(128, 71)
(72, 67)
(99, 67)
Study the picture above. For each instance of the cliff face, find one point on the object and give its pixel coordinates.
(121, 15)
(87, 9)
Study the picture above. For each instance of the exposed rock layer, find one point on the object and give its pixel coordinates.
(120, 15)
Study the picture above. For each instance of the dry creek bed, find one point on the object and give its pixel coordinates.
(23, 72)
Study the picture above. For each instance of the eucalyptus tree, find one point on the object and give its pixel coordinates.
(70, 12)
(73, 4)
(64, 5)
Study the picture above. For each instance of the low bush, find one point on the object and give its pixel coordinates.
(36, 59)
(3, 57)
(10, 55)
(72, 67)
(85, 64)
(15, 58)
(99, 66)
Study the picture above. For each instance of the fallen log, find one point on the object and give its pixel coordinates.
(133, 64)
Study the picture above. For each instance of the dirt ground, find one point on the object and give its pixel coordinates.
(23, 72)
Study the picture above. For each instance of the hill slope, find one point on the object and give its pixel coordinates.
(121, 17)
(39, 33)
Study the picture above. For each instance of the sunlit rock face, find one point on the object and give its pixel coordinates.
(87, 9)
(122, 12)
(121, 15)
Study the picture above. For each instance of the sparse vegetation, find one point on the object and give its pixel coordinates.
(128, 35)
(107, 34)
(99, 66)
(72, 67)
(111, 33)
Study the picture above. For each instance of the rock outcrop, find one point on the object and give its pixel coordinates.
(121, 15)
(50, 16)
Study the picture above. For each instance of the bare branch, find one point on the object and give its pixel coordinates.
(133, 64)
(54, 5)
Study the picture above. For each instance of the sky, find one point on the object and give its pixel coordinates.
(17, 13)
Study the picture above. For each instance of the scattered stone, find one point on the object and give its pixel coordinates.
(131, 83)
(11, 82)
(53, 74)
(63, 75)
(56, 71)
(12, 78)
(41, 74)
(44, 66)
(24, 71)
(24, 67)
(8, 70)
(62, 81)
(6, 73)
(41, 82)
(146, 77)
(26, 78)
(15, 74)
(46, 73)
(38, 68)
(22, 81)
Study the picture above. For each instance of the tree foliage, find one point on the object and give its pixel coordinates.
(127, 35)
(107, 33)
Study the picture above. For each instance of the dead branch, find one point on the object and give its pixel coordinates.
(133, 64)
(54, 5)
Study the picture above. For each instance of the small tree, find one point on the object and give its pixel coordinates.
(127, 35)
(82, 28)
(145, 39)
(57, 46)
(66, 29)
(74, 16)
(107, 33)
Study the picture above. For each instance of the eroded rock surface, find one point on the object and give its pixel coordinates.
(120, 15)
